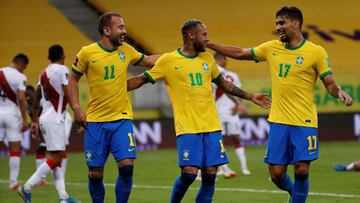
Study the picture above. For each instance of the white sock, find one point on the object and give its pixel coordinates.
(43, 170)
(59, 182)
(350, 166)
(240, 152)
(64, 165)
(14, 165)
(39, 162)
(225, 168)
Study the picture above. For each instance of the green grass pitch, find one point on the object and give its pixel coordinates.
(155, 172)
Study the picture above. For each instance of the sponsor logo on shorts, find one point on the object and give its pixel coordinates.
(186, 154)
(131, 149)
(312, 152)
(88, 155)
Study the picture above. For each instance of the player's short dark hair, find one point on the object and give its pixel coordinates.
(21, 58)
(292, 12)
(105, 21)
(56, 52)
(30, 88)
(189, 26)
(218, 56)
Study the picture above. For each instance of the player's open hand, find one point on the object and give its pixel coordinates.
(343, 96)
(79, 117)
(262, 100)
(34, 130)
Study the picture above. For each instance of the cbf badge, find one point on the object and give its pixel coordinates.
(186, 154)
(122, 56)
(88, 155)
(205, 67)
(299, 60)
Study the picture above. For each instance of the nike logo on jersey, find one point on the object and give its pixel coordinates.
(95, 60)
(131, 149)
(275, 54)
(178, 67)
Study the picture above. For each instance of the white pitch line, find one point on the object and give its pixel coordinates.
(218, 189)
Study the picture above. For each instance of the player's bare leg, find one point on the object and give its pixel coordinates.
(207, 189)
(95, 184)
(182, 183)
(14, 164)
(280, 178)
(301, 184)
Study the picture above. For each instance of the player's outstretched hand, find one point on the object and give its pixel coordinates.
(79, 117)
(34, 130)
(262, 100)
(343, 96)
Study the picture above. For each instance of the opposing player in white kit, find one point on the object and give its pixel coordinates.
(13, 118)
(54, 88)
(228, 109)
(40, 156)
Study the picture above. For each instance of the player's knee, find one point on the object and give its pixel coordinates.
(187, 178)
(277, 178)
(301, 177)
(301, 170)
(95, 175)
(208, 179)
(126, 171)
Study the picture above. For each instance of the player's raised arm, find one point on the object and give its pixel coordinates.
(334, 89)
(136, 82)
(231, 51)
(259, 99)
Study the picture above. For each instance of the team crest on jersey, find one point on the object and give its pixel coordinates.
(205, 67)
(122, 56)
(186, 154)
(299, 60)
(88, 155)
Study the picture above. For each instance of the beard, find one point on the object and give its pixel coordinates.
(115, 41)
(284, 39)
(198, 47)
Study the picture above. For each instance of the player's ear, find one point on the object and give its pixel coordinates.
(107, 31)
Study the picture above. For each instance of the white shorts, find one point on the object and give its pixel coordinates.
(10, 125)
(68, 125)
(54, 135)
(231, 127)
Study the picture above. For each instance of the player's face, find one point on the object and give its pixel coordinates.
(117, 31)
(201, 38)
(285, 27)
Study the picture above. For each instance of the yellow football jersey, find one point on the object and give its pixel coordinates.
(106, 73)
(293, 74)
(188, 82)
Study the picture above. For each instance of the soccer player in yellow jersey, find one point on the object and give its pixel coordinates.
(295, 64)
(188, 73)
(109, 115)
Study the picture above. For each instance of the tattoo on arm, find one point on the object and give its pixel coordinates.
(230, 88)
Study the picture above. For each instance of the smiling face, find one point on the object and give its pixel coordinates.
(286, 27)
(116, 31)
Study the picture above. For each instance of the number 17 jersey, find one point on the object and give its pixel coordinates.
(294, 72)
(106, 74)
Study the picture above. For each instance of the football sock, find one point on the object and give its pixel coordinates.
(181, 185)
(240, 152)
(124, 183)
(207, 189)
(40, 159)
(64, 163)
(59, 182)
(96, 190)
(14, 165)
(43, 170)
(301, 188)
(350, 166)
(285, 184)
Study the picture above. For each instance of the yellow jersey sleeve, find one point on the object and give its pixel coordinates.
(80, 64)
(215, 72)
(259, 53)
(135, 56)
(323, 63)
(157, 72)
